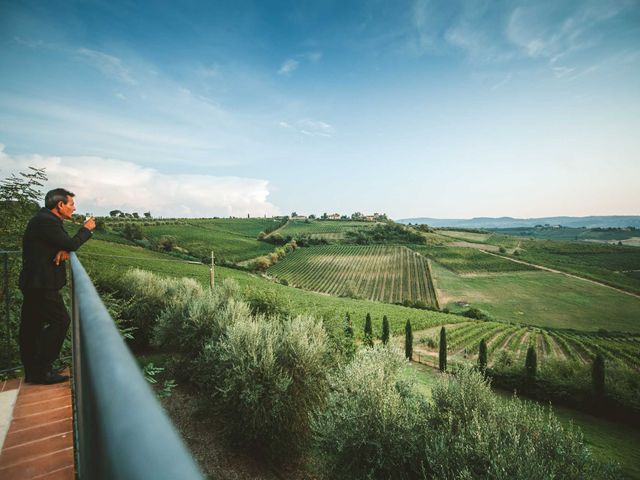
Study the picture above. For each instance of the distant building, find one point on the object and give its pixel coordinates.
(299, 217)
(334, 216)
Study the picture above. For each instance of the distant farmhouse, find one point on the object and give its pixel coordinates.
(334, 216)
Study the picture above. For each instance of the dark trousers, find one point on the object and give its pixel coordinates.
(43, 327)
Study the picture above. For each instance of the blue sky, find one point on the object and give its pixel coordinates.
(445, 109)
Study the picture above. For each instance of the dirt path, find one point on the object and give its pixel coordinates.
(547, 269)
(277, 229)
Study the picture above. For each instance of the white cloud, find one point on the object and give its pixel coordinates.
(107, 64)
(546, 31)
(502, 82)
(288, 67)
(310, 128)
(103, 184)
(314, 56)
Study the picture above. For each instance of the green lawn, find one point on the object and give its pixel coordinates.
(469, 260)
(609, 264)
(466, 236)
(540, 298)
(230, 239)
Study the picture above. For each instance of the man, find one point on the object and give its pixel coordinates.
(45, 320)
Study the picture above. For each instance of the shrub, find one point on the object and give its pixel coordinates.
(166, 243)
(267, 375)
(472, 433)
(267, 302)
(151, 294)
(261, 263)
(371, 421)
(184, 327)
(476, 313)
(133, 231)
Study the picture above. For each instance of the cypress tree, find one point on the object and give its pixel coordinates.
(530, 364)
(442, 357)
(408, 340)
(482, 356)
(348, 327)
(597, 375)
(368, 331)
(385, 330)
(349, 344)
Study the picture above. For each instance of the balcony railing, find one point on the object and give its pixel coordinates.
(121, 431)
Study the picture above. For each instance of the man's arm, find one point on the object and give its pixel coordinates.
(53, 233)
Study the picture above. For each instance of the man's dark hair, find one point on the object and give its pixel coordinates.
(56, 195)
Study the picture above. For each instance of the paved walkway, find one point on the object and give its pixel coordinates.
(39, 441)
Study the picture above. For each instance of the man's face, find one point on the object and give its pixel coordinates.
(65, 210)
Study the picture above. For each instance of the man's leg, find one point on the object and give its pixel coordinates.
(57, 323)
(31, 326)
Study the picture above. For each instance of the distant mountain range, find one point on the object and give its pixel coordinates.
(509, 222)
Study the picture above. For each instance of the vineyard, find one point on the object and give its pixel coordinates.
(463, 341)
(389, 274)
(327, 229)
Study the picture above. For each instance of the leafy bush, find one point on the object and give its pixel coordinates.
(375, 426)
(475, 434)
(371, 421)
(184, 327)
(267, 375)
(151, 295)
(133, 231)
(267, 302)
(476, 313)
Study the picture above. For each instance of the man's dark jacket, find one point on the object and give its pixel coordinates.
(43, 239)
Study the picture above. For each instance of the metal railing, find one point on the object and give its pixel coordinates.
(121, 431)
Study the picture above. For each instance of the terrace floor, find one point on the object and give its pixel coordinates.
(37, 420)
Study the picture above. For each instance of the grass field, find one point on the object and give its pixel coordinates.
(469, 260)
(102, 258)
(540, 298)
(380, 273)
(231, 239)
(466, 236)
(609, 264)
(566, 233)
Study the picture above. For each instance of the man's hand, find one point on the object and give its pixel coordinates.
(61, 256)
(90, 223)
